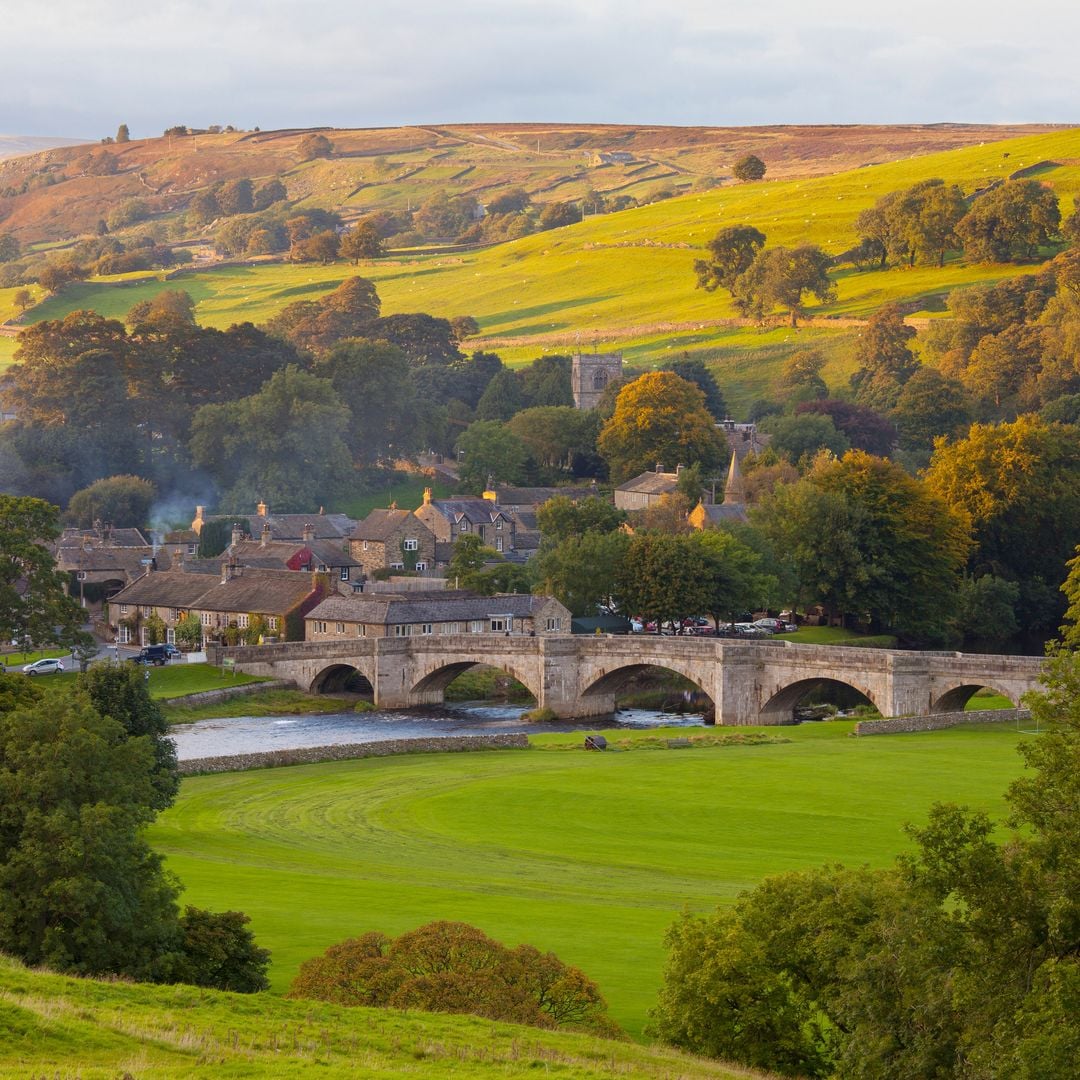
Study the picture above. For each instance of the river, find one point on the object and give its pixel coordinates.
(256, 734)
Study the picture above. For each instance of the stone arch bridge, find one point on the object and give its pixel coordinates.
(749, 682)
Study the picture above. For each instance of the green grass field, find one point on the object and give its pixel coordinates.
(64, 1028)
(625, 280)
(590, 855)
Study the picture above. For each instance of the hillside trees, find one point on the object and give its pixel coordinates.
(555, 434)
(1010, 222)
(362, 241)
(885, 361)
(779, 277)
(349, 311)
(693, 369)
(490, 453)
(659, 417)
(122, 501)
(287, 439)
(918, 221)
(748, 167)
(314, 145)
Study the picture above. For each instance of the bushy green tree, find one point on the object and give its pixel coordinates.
(1010, 222)
(490, 454)
(779, 277)
(799, 438)
(731, 251)
(123, 501)
(748, 167)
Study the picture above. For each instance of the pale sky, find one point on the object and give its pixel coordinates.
(80, 68)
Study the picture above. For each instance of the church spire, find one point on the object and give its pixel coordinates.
(734, 492)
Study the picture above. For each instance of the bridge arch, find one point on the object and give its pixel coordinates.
(341, 677)
(780, 708)
(433, 682)
(609, 683)
(956, 699)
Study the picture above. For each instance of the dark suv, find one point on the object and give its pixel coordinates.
(152, 654)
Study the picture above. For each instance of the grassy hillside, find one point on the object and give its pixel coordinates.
(625, 280)
(60, 1027)
(589, 855)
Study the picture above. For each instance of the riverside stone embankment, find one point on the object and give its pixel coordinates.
(310, 755)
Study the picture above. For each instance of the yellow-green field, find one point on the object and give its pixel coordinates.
(625, 280)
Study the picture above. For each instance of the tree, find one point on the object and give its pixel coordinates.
(118, 691)
(554, 434)
(468, 559)
(864, 428)
(362, 241)
(502, 398)
(799, 438)
(885, 361)
(23, 299)
(33, 605)
(314, 146)
(123, 501)
(1019, 484)
(801, 378)
(928, 406)
(490, 454)
(323, 247)
(236, 196)
(561, 517)
(9, 247)
(659, 417)
(749, 167)
(273, 191)
(80, 889)
(862, 536)
(660, 578)
(372, 379)
(286, 444)
(1010, 222)
(122, 134)
(189, 631)
(731, 250)
(217, 949)
(512, 200)
(351, 310)
(693, 369)
(426, 340)
(778, 277)
(204, 207)
(456, 968)
(546, 381)
(986, 610)
(581, 569)
(557, 214)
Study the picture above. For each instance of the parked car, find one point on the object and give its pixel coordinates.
(171, 651)
(44, 667)
(773, 626)
(152, 654)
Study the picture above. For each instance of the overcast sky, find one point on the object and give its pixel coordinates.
(79, 68)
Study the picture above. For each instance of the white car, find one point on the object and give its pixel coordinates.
(44, 667)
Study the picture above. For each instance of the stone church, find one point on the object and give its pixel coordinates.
(590, 374)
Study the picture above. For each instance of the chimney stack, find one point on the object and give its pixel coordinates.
(237, 534)
(261, 509)
(265, 538)
(427, 496)
(308, 533)
(197, 524)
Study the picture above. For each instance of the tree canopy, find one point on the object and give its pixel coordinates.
(779, 276)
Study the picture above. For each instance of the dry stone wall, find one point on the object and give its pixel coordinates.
(907, 724)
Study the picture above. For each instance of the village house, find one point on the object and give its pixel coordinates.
(647, 489)
(284, 526)
(392, 539)
(239, 599)
(102, 560)
(307, 555)
(449, 519)
(522, 503)
(422, 614)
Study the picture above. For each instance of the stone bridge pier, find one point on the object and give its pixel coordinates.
(751, 682)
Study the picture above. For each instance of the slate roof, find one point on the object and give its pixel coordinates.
(512, 497)
(472, 510)
(724, 511)
(121, 538)
(443, 606)
(269, 591)
(291, 526)
(380, 524)
(651, 483)
(280, 553)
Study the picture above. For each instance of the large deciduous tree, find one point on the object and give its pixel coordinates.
(123, 501)
(33, 605)
(885, 361)
(748, 167)
(490, 453)
(1010, 222)
(731, 251)
(660, 418)
(779, 277)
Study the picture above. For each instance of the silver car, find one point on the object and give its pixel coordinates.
(44, 667)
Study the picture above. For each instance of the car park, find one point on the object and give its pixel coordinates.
(44, 667)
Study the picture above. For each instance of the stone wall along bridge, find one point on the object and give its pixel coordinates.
(749, 682)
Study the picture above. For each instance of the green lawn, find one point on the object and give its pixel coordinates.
(407, 493)
(176, 680)
(590, 855)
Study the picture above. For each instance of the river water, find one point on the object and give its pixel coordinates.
(255, 734)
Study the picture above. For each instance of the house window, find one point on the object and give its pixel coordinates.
(193, 549)
(242, 621)
(361, 630)
(320, 627)
(123, 635)
(425, 628)
(271, 622)
(499, 623)
(81, 575)
(476, 626)
(402, 631)
(365, 545)
(340, 627)
(498, 543)
(451, 628)
(421, 566)
(498, 526)
(397, 566)
(410, 545)
(208, 618)
(344, 573)
(175, 615)
(170, 636)
(554, 624)
(123, 609)
(147, 611)
(463, 527)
